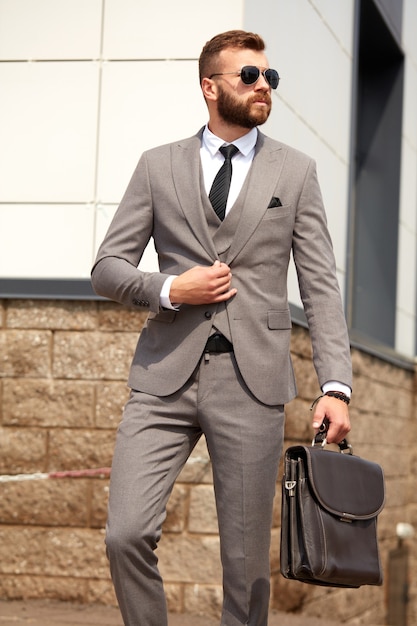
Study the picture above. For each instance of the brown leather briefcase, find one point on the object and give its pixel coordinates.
(330, 504)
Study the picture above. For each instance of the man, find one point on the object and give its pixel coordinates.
(214, 357)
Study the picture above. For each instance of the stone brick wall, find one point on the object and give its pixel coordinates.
(63, 371)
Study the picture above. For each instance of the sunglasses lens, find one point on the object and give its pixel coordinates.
(272, 77)
(249, 74)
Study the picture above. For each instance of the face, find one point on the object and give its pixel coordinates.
(238, 104)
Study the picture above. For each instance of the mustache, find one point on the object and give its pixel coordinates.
(261, 98)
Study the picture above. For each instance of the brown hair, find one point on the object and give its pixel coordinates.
(230, 39)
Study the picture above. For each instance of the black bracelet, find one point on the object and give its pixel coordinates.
(339, 395)
(332, 394)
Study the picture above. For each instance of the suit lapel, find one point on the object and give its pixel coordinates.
(186, 170)
(261, 184)
(260, 187)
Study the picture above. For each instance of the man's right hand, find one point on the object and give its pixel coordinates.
(203, 285)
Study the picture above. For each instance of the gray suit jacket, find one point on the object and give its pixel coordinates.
(164, 201)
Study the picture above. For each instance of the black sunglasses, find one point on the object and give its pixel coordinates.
(249, 74)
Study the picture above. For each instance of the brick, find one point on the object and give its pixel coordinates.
(366, 366)
(203, 515)
(25, 353)
(198, 467)
(46, 402)
(177, 509)
(275, 549)
(190, 559)
(115, 317)
(289, 595)
(18, 587)
(298, 419)
(2, 404)
(99, 500)
(39, 551)
(396, 490)
(77, 449)
(93, 355)
(21, 550)
(22, 450)
(204, 600)
(306, 378)
(110, 400)
(346, 604)
(276, 513)
(301, 342)
(48, 502)
(100, 591)
(52, 314)
(175, 597)
(78, 552)
(374, 396)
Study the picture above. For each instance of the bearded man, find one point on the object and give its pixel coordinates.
(225, 208)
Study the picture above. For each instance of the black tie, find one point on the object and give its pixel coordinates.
(221, 184)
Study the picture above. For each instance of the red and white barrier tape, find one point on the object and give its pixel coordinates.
(101, 472)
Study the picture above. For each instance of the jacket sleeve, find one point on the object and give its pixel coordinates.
(115, 274)
(319, 288)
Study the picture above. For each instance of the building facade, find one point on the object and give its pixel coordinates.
(86, 86)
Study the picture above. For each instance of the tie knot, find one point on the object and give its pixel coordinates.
(229, 151)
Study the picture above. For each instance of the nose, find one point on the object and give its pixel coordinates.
(262, 84)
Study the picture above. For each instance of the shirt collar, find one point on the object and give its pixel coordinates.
(245, 144)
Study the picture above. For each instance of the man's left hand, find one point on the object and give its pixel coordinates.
(337, 413)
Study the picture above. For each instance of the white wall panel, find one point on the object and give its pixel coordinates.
(310, 44)
(406, 293)
(406, 288)
(48, 127)
(315, 69)
(50, 29)
(410, 103)
(104, 215)
(165, 29)
(284, 125)
(407, 236)
(409, 28)
(144, 105)
(338, 18)
(405, 333)
(46, 241)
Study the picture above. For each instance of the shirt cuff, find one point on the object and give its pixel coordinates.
(164, 300)
(334, 385)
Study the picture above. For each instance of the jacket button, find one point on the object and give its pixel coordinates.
(143, 303)
(208, 315)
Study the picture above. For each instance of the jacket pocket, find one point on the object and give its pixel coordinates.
(278, 212)
(279, 320)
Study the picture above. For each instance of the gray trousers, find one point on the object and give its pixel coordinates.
(154, 441)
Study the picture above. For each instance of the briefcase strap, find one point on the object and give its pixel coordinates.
(321, 438)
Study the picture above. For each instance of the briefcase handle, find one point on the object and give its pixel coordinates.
(321, 438)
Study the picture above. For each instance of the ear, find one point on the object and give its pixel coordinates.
(209, 89)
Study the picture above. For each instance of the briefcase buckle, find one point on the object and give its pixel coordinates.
(290, 486)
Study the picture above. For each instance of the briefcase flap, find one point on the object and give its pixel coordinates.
(344, 484)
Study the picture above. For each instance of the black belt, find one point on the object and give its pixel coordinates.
(218, 343)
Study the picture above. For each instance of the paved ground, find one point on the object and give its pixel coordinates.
(44, 613)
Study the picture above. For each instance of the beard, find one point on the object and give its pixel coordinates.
(242, 113)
